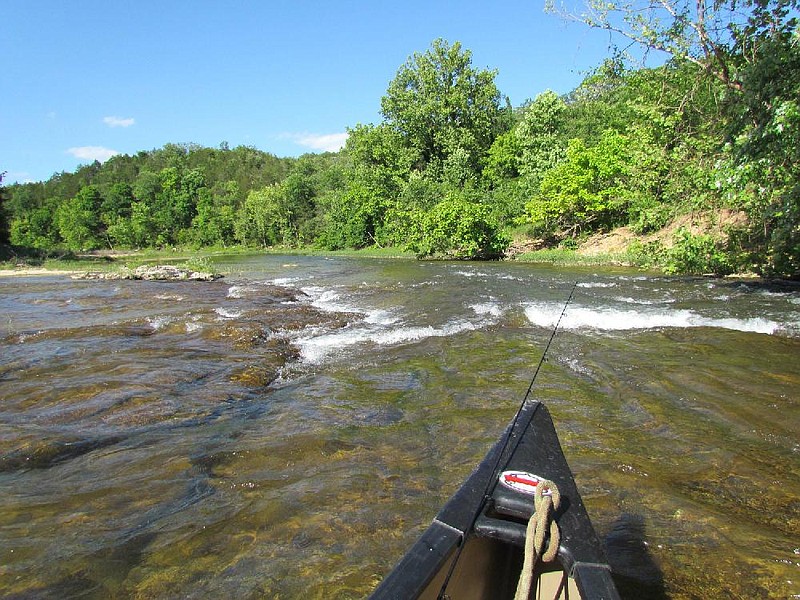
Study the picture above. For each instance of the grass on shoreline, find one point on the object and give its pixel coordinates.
(204, 259)
(566, 257)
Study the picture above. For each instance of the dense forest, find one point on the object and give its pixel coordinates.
(454, 170)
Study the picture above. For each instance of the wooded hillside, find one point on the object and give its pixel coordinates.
(454, 170)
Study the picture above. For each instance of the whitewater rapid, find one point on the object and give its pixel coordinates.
(625, 304)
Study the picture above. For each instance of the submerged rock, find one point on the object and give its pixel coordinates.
(153, 273)
(43, 454)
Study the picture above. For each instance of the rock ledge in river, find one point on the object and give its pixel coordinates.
(153, 273)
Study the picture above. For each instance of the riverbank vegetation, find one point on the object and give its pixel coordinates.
(709, 139)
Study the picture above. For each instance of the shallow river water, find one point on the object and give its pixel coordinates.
(289, 430)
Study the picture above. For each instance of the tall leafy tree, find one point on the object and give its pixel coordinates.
(116, 202)
(264, 219)
(540, 135)
(35, 229)
(589, 190)
(765, 128)
(79, 220)
(216, 215)
(380, 158)
(444, 109)
(379, 163)
(503, 160)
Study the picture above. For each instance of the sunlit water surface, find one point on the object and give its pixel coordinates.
(289, 430)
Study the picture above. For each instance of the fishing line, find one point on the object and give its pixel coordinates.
(507, 438)
(546, 348)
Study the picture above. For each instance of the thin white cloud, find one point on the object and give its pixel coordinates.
(92, 153)
(118, 121)
(325, 142)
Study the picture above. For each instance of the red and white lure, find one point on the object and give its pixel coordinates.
(523, 482)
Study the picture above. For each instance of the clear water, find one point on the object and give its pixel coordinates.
(289, 430)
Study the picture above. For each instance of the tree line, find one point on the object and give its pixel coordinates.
(454, 170)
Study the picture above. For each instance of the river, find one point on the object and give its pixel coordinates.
(289, 430)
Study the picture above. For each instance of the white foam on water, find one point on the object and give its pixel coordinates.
(470, 273)
(596, 284)
(192, 326)
(173, 297)
(285, 280)
(612, 319)
(380, 326)
(159, 322)
(508, 277)
(488, 308)
(628, 300)
(240, 291)
(576, 366)
(331, 301)
(380, 316)
(315, 348)
(633, 278)
(227, 313)
(328, 300)
(23, 337)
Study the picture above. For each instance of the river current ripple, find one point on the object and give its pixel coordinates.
(289, 430)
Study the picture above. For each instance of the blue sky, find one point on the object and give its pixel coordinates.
(83, 80)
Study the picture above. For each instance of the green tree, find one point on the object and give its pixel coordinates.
(169, 206)
(298, 205)
(214, 223)
(587, 191)
(696, 255)
(455, 228)
(540, 135)
(137, 232)
(443, 108)
(35, 229)
(379, 158)
(78, 220)
(503, 160)
(751, 48)
(708, 33)
(354, 218)
(264, 219)
(116, 202)
(22, 198)
(150, 198)
(763, 175)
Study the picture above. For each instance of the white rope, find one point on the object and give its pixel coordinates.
(544, 506)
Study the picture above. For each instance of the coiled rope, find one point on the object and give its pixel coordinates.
(546, 501)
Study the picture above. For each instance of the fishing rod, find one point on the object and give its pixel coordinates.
(507, 439)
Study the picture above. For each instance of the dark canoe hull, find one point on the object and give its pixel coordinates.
(493, 529)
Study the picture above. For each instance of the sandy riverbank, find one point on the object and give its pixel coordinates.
(34, 272)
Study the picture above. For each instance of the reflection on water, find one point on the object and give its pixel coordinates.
(288, 431)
